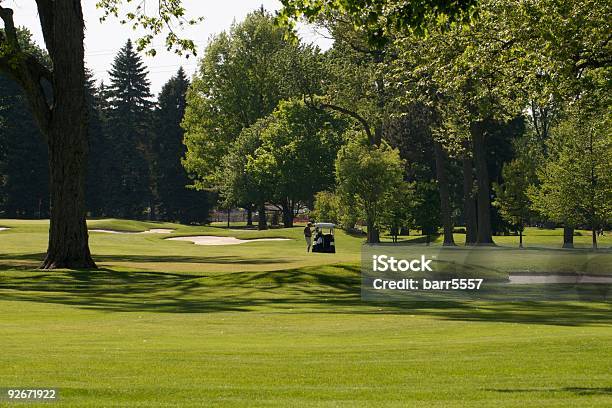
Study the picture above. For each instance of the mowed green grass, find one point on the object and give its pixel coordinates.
(166, 323)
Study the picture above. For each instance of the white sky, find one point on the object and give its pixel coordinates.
(103, 40)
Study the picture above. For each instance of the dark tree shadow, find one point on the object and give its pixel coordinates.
(330, 289)
(582, 391)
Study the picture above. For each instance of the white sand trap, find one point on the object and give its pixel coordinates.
(212, 240)
(159, 231)
(151, 231)
(525, 279)
(4, 228)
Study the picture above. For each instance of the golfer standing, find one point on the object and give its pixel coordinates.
(308, 236)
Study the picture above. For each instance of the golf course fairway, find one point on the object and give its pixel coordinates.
(171, 324)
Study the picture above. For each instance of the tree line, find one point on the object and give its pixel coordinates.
(457, 75)
(491, 124)
(135, 149)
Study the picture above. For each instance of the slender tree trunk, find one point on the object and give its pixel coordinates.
(594, 236)
(445, 206)
(262, 223)
(373, 234)
(67, 140)
(568, 237)
(484, 235)
(229, 214)
(521, 238)
(287, 215)
(469, 205)
(249, 216)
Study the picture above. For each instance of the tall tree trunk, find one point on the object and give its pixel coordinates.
(484, 235)
(373, 234)
(521, 237)
(63, 125)
(249, 222)
(287, 215)
(67, 140)
(152, 212)
(469, 204)
(594, 236)
(229, 216)
(445, 206)
(568, 237)
(262, 223)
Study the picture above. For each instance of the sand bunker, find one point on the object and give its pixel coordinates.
(4, 228)
(525, 279)
(212, 240)
(151, 231)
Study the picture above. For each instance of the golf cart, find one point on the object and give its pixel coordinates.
(324, 242)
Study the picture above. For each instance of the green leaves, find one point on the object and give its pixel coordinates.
(367, 175)
(378, 19)
(159, 16)
(576, 180)
(242, 77)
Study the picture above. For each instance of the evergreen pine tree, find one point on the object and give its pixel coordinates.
(128, 130)
(97, 182)
(175, 202)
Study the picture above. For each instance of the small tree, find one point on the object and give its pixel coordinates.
(511, 196)
(576, 180)
(326, 207)
(399, 209)
(369, 174)
(297, 153)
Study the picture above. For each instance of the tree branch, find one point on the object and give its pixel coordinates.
(24, 69)
(364, 123)
(45, 15)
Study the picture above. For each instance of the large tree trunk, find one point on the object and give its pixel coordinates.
(484, 235)
(373, 235)
(594, 236)
(568, 237)
(67, 140)
(287, 215)
(469, 204)
(262, 223)
(68, 238)
(63, 124)
(445, 206)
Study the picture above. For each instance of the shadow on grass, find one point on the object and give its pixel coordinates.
(324, 289)
(582, 391)
(31, 261)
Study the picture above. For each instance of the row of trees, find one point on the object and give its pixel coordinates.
(135, 147)
(479, 67)
(493, 123)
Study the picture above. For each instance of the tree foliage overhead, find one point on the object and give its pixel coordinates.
(379, 19)
(154, 17)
